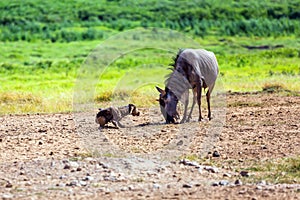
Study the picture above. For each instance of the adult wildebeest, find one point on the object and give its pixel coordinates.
(192, 69)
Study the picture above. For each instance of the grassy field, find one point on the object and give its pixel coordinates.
(45, 44)
(39, 76)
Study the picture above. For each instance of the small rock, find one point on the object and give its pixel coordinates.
(103, 165)
(28, 184)
(244, 173)
(200, 170)
(7, 196)
(179, 143)
(227, 175)
(62, 177)
(262, 182)
(211, 169)
(242, 192)
(238, 182)
(67, 166)
(216, 154)
(78, 169)
(74, 164)
(9, 185)
(258, 187)
(83, 183)
(88, 178)
(263, 147)
(187, 185)
(156, 186)
(40, 143)
(73, 183)
(189, 163)
(224, 182)
(215, 184)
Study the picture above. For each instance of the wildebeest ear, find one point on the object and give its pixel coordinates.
(160, 90)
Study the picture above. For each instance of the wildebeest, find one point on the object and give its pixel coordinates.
(114, 115)
(192, 69)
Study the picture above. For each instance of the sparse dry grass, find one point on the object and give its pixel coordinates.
(283, 170)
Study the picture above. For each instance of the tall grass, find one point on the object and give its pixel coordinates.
(75, 20)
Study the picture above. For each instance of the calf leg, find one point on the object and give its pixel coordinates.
(120, 125)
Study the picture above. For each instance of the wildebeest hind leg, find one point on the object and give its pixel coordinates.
(199, 90)
(208, 104)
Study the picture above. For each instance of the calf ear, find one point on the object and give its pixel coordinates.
(160, 90)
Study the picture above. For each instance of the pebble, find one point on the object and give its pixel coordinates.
(79, 169)
(258, 187)
(83, 183)
(67, 166)
(74, 164)
(7, 196)
(262, 182)
(224, 182)
(62, 177)
(238, 182)
(244, 173)
(189, 163)
(88, 178)
(187, 185)
(216, 154)
(73, 183)
(9, 185)
(227, 175)
(156, 186)
(211, 169)
(215, 184)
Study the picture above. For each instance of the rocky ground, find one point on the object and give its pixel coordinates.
(65, 156)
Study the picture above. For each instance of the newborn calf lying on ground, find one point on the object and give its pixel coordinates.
(114, 115)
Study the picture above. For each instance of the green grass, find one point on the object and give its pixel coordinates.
(40, 76)
(283, 170)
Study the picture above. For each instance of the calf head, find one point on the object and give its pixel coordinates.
(133, 111)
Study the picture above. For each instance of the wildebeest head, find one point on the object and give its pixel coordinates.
(168, 105)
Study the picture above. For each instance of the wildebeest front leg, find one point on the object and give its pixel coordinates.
(186, 103)
(194, 101)
(199, 90)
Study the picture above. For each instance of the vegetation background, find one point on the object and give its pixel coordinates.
(43, 44)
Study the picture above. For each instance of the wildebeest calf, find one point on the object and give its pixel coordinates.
(115, 115)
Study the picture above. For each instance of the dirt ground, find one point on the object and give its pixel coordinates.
(65, 156)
